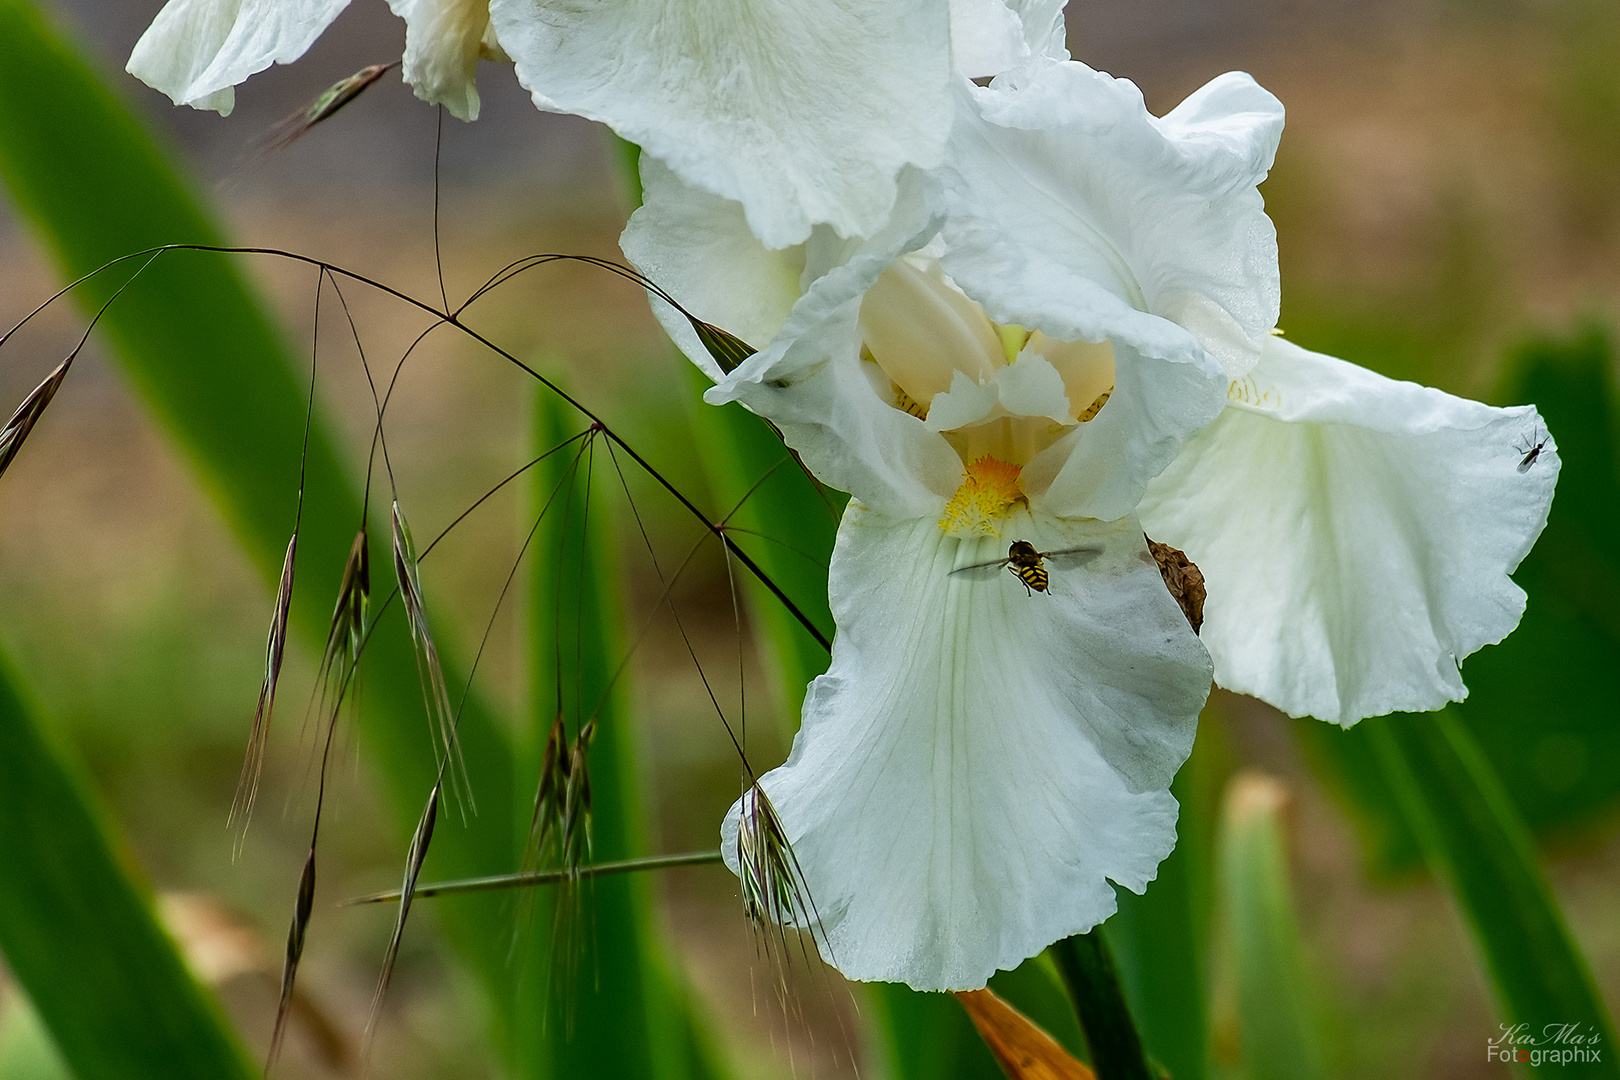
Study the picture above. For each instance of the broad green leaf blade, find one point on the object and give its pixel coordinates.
(598, 998)
(210, 365)
(1161, 938)
(1480, 847)
(1279, 1037)
(82, 938)
(1552, 742)
(1087, 967)
(790, 524)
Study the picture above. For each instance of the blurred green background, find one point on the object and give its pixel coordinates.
(1447, 198)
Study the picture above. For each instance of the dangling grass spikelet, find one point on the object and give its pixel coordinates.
(275, 649)
(289, 130)
(413, 869)
(776, 897)
(28, 413)
(342, 653)
(560, 832)
(295, 951)
(728, 350)
(441, 718)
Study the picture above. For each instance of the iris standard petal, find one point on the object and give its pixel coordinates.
(196, 51)
(804, 111)
(1355, 533)
(979, 762)
(1076, 212)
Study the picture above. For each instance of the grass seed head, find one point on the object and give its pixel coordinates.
(28, 413)
(728, 350)
(275, 650)
(420, 839)
(289, 130)
(302, 910)
(435, 693)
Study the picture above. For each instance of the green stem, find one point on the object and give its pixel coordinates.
(1093, 982)
(543, 877)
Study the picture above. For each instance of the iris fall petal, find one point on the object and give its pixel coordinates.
(979, 762)
(1355, 533)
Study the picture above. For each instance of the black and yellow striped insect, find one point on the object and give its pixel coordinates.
(1029, 565)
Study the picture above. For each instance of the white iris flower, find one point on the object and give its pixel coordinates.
(1063, 333)
(804, 111)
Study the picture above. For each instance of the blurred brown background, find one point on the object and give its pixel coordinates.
(1449, 181)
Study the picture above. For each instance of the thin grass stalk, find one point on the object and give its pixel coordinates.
(453, 319)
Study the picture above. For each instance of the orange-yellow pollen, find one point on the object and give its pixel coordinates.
(989, 492)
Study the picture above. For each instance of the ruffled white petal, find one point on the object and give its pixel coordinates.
(1074, 211)
(978, 762)
(804, 111)
(196, 51)
(443, 40)
(1356, 534)
(992, 36)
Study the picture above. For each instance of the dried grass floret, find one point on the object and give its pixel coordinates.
(436, 696)
(420, 839)
(28, 413)
(275, 650)
(302, 909)
(290, 129)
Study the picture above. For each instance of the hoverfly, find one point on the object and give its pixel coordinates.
(1028, 564)
(1531, 450)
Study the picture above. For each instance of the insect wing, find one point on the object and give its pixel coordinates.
(981, 570)
(1070, 557)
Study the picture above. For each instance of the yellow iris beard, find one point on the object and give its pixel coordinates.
(988, 493)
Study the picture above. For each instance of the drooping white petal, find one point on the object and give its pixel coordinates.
(979, 762)
(196, 51)
(808, 378)
(804, 111)
(443, 40)
(1355, 534)
(698, 247)
(1074, 211)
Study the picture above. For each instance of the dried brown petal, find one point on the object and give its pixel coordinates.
(1184, 580)
(1022, 1049)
